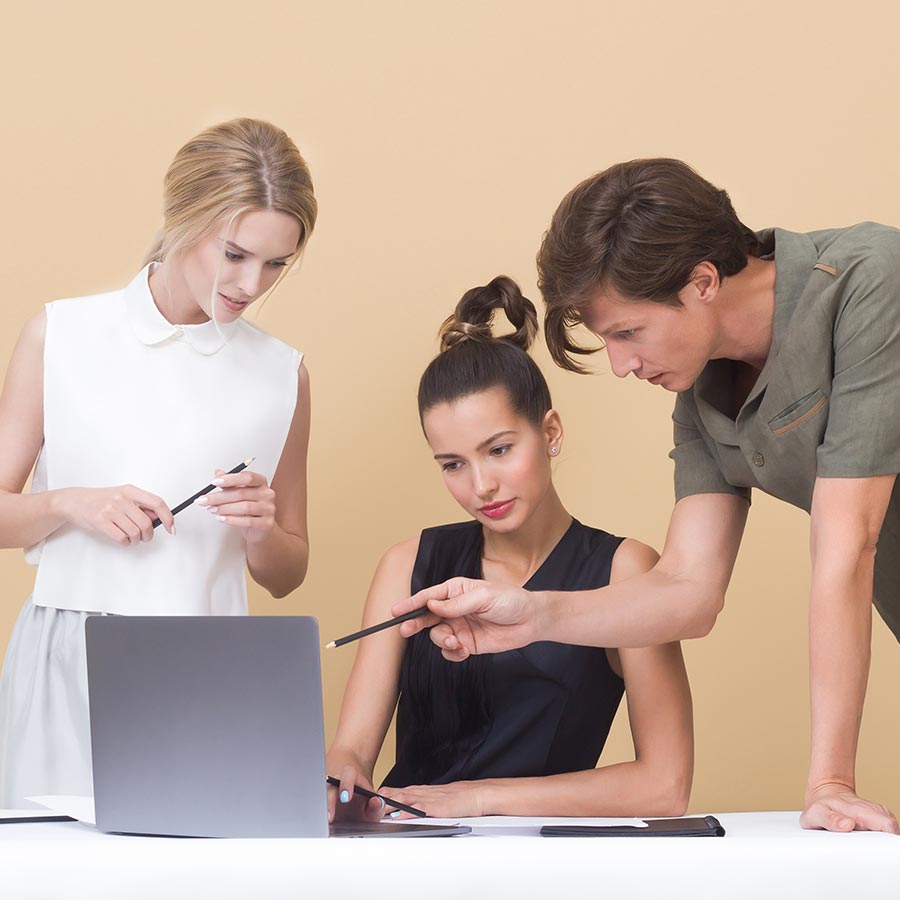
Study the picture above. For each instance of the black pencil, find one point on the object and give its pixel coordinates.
(210, 487)
(364, 792)
(373, 629)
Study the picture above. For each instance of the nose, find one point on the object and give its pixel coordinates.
(622, 361)
(250, 280)
(483, 482)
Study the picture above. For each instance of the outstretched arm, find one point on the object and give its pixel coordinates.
(678, 598)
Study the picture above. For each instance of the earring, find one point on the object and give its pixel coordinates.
(554, 451)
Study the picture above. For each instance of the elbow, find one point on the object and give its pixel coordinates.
(703, 615)
(670, 794)
(280, 591)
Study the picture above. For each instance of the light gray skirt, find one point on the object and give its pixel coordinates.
(45, 737)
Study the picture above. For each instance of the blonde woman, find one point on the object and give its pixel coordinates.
(126, 403)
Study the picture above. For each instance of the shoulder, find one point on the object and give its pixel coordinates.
(397, 561)
(866, 241)
(260, 339)
(88, 306)
(632, 558)
(864, 256)
(33, 332)
(455, 530)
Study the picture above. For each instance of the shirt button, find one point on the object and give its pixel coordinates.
(759, 460)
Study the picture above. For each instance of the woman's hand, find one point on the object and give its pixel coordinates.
(343, 802)
(124, 513)
(469, 616)
(459, 800)
(244, 500)
(835, 807)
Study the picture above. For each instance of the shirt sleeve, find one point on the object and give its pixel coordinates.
(696, 468)
(862, 437)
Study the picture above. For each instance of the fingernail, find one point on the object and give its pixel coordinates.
(218, 481)
(212, 509)
(345, 796)
(394, 815)
(202, 501)
(173, 529)
(221, 518)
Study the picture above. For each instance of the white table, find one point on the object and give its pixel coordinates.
(763, 856)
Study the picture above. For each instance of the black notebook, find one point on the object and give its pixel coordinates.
(707, 826)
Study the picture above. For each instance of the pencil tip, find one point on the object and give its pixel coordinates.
(330, 646)
(248, 461)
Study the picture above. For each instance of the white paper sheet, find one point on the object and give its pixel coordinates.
(81, 808)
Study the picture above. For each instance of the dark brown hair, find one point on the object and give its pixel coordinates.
(473, 360)
(448, 703)
(640, 228)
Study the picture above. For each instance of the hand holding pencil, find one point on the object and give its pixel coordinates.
(466, 616)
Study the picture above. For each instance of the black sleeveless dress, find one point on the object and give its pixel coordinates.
(541, 710)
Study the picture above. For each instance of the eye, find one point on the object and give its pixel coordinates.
(451, 466)
(231, 256)
(501, 450)
(278, 263)
(627, 333)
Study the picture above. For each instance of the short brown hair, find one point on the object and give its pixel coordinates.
(639, 228)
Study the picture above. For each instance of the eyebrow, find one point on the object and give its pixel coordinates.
(481, 446)
(616, 326)
(240, 249)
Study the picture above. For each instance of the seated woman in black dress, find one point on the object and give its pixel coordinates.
(519, 732)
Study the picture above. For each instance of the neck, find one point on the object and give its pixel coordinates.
(523, 550)
(746, 304)
(172, 297)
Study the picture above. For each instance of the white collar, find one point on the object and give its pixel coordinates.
(152, 327)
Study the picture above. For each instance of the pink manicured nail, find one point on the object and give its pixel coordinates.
(218, 481)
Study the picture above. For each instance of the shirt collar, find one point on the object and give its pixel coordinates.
(151, 327)
(795, 256)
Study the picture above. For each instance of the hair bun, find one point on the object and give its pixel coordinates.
(473, 317)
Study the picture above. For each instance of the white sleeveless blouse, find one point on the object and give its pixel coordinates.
(130, 398)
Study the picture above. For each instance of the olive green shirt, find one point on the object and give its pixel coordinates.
(827, 402)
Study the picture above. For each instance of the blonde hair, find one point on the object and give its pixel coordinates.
(228, 169)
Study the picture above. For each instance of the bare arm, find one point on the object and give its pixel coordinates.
(656, 783)
(123, 514)
(678, 598)
(847, 515)
(279, 561)
(373, 686)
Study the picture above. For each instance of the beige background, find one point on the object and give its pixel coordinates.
(441, 137)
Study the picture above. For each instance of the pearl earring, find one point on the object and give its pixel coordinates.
(554, 451)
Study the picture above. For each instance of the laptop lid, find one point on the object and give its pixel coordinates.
(207, 725)
(212, 726)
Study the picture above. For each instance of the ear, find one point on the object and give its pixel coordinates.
(553, 432)
(705, 282)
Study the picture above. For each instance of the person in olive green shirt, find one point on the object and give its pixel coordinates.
(784, 350)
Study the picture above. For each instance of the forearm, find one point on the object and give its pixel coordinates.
(626, 789)
(654, 608)
(840, 626)
(28, 518)
(279, 562)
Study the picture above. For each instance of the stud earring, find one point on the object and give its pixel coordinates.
(554, 451)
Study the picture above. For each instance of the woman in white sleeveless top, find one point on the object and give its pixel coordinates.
(125, 404)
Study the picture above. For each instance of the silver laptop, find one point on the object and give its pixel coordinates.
(212, 726)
